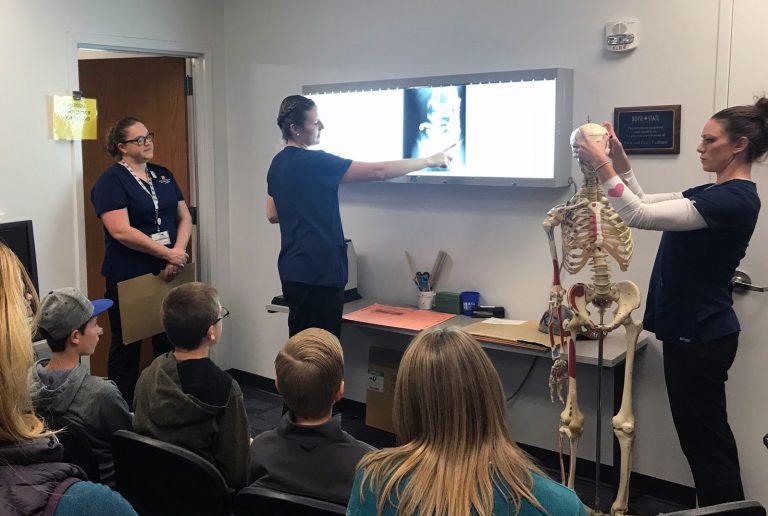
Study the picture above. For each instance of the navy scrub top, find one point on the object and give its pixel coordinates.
(117, 188)
(305, 186)
(690, 296)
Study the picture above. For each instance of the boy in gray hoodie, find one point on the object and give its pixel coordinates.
(183, 398)
(62, 387)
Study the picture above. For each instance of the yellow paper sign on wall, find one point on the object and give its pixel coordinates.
(74, 119)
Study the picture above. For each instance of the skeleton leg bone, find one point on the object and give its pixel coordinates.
(624, 420)
(571, 418)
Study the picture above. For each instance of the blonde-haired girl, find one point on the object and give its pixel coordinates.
(458, 457)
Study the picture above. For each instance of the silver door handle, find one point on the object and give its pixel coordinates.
(741, 281)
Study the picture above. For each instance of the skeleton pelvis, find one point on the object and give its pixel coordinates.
(625, 294)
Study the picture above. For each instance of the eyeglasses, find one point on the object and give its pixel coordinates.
(142, 140)
(224, 313)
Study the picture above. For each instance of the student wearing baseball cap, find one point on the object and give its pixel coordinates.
(63, 388)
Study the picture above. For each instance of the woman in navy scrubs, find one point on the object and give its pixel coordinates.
(303, 196)
(147, 226)
(707, 229)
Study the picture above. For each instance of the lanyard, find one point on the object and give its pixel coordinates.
(150, 192)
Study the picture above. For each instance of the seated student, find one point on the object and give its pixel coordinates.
(183, 398)
(308, 453)
(33, 480)
(458, 457)
(63, 388)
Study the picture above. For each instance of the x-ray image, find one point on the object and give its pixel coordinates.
(434, 118)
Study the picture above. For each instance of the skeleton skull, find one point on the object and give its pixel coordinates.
(592, 131)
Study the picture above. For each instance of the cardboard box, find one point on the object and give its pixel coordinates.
(382, 374)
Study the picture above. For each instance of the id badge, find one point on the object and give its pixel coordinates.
(162, 237)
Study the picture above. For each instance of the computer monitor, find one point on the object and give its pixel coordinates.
(19, 237)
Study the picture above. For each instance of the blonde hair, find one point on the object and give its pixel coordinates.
(449, 412)
(309, 371)
(17, 418)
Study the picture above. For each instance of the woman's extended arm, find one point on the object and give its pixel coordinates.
(623, 168)
(662, 212)
(379, 171)
(673, 214)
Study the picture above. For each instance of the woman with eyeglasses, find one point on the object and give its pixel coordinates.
(147, 226)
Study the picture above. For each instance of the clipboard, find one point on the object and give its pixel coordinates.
(140, 302)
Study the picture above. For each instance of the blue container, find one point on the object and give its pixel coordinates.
(469, 300)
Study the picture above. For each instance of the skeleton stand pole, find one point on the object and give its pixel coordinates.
(598, 421)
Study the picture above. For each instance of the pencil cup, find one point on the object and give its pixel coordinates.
(426, 300)
(469, 300)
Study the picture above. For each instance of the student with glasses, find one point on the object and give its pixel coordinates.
(183, 398)
(147, 226)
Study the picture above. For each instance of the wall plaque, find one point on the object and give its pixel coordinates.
(648, 129)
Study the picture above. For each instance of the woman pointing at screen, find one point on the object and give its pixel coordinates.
(303, 197)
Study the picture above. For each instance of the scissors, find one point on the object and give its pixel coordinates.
(422, 281)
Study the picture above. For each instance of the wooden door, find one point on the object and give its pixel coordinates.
(151, 89)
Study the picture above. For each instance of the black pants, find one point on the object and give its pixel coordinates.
(123, 365)
(696, 376)
(313, 306)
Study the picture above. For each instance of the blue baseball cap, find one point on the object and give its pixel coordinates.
(66, 309)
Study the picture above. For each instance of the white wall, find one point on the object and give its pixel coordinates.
(492, 235)
(41, 178)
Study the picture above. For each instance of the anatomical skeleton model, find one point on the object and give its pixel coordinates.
(591, 232)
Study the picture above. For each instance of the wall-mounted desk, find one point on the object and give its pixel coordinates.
(614, 346)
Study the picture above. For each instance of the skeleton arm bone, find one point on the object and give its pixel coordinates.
(556, 291)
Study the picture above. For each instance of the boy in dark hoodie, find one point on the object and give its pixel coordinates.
(308, 453)
(183, 398)
(62, 387)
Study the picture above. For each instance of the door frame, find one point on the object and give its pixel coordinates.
(200, 121)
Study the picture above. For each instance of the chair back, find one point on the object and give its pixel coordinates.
(256, 500)
(76, 444)
(160, 478)
(741, 508)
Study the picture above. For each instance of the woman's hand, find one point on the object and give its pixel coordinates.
(613, 140)
(592, 153)
(177, 257)
(170, 272)
(442, 158)
(618, 155)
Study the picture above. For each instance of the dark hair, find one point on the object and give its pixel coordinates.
(293, 111)
(58, 345)
(187, 312)
(117, 134)
(750, 122)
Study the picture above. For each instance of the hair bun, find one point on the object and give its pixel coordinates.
(762, 106)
